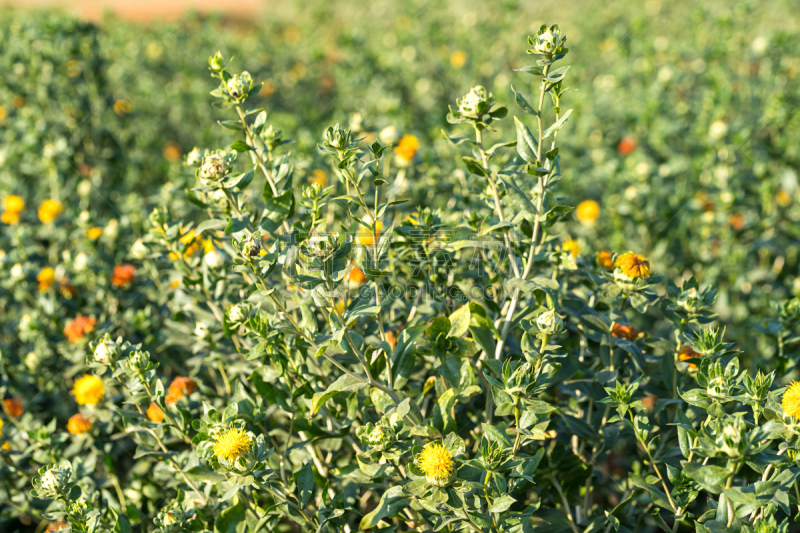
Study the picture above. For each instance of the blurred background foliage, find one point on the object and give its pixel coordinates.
(704, 95)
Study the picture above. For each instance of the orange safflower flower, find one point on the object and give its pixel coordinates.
(604, 259)
(356, 275)
(13, 407)
(123, 275)
(180, 387)
(155, 413)
(626, 146)
(80, 326)
(625, 332)
(79, 423)
(687, 352)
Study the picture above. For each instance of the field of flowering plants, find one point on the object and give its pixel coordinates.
(420, 266)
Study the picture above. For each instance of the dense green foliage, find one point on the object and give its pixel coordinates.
(399, 322)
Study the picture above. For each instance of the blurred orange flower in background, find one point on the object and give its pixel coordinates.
(80, 326)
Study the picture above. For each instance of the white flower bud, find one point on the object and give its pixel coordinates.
(139, 250)
(112, 229)
(85, 188)
(237, 313)
(549, 322)
(213, 259)
(81, 260)
(469, 105)
(389, 135)
(201, 330)
(32, 361)
(17, 273)
(105, 352)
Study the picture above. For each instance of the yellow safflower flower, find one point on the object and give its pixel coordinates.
(14, 203)
(573, 247)
(587, 212)
(49, 210)
(232, 444)
(437, 464)
(319, 177)
(633, 265)
(46, 278)
(407, 148)
(458, 59)
(9, 217)
(365, 235)
(88, 390)
(791, 400)
(94, 233)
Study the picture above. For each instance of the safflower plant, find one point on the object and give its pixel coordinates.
(339, 360)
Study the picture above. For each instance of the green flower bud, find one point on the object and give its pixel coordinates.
(239, 85)
(216, 165)
(548, 42)
(216, 62)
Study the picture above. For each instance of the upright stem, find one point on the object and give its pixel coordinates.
(535, 235)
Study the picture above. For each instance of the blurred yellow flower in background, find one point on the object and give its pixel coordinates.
(458, 59)
(365, 235)
(94, 233)
(587, 212)
(14, 205)
(406, 149)
(573, 247)
(49, 210)
(46, 278)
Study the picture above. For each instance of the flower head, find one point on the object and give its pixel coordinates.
(181, 386)
(632, 265)
(49, 210)
(13, 407)
(123, 275)
(436, 462)
(406, 149)
(587, 212)
(791, 400)
(366, 237)
(88, 390)
(232, 444)
(46, 278)
(626, 146)
(94, 233)
(155, 413)
(573, 247)
(687, 352)
(625, 332)
(604, 259)
(79, 423)
(14, 205)
(80, 326)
